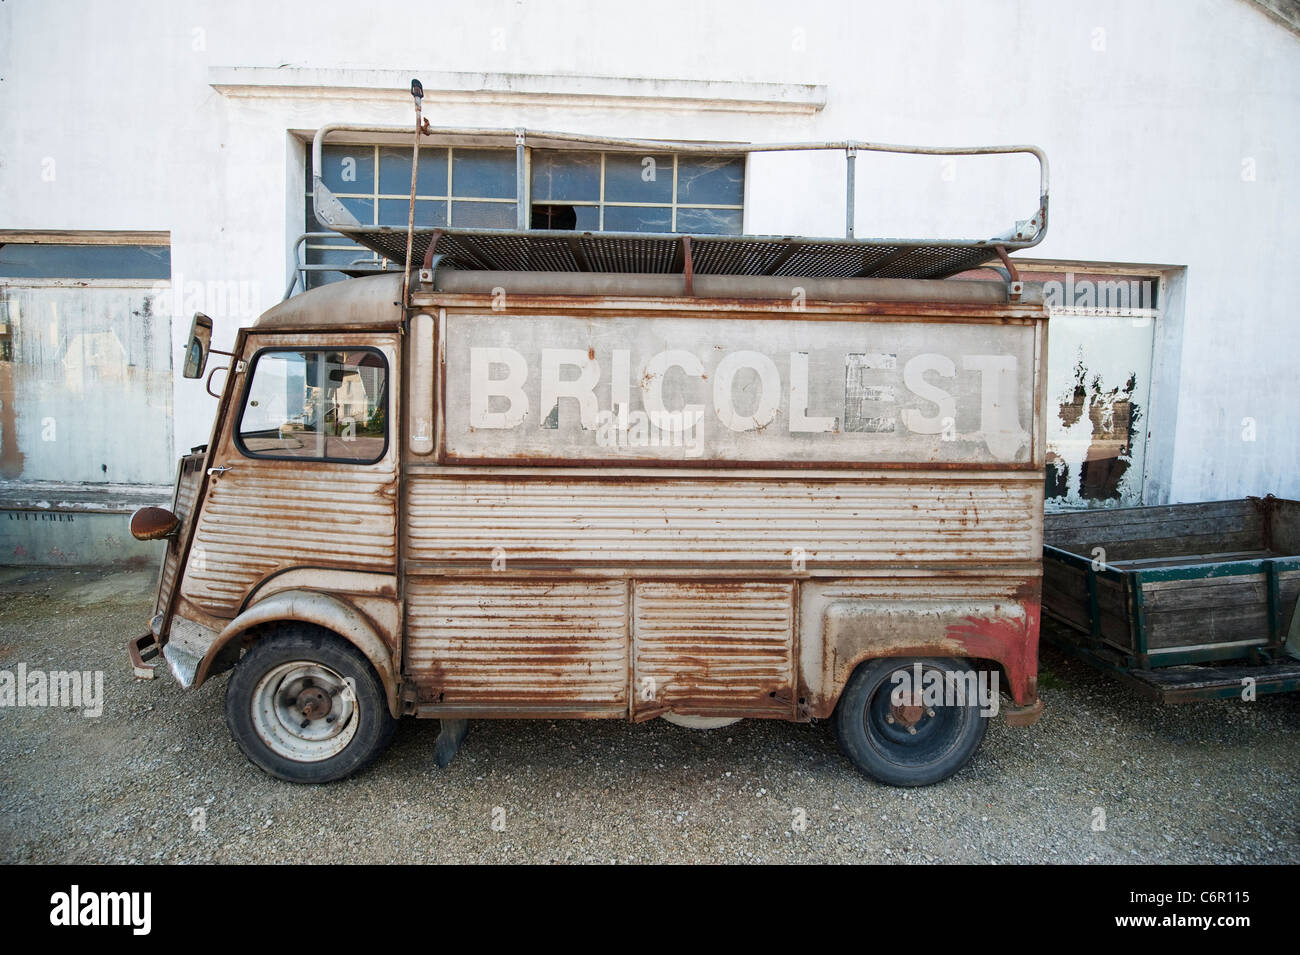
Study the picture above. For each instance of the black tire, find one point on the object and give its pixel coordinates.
(264, 701)
(945, 739)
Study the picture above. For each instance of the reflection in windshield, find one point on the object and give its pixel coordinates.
(324, 404)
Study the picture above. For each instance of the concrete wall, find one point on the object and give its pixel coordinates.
(1171, 126)
(72, 538)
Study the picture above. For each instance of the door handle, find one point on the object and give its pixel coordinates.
(222, 469)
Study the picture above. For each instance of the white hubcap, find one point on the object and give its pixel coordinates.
(304, 711)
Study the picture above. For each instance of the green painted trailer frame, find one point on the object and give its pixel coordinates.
(1195, 627)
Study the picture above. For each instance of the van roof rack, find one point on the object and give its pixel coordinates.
(544, 250)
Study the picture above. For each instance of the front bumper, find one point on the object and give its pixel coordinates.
(141, 650)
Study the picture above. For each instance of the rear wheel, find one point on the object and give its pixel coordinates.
(904, 740)
(306, 706)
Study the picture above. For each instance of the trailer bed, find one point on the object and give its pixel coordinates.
(1183, 602)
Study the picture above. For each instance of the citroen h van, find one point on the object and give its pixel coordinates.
(589, 475)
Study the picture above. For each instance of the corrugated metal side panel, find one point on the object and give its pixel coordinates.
(702, 646)
(189, 477)
(518, 643)
(952, 587)
(255, 523)
(719, 519)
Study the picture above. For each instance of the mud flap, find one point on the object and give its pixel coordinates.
(451, 734)
(1023, 715)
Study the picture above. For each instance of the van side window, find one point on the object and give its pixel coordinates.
(316, 404)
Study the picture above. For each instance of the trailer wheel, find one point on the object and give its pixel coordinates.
(905, 745)
(306, 706)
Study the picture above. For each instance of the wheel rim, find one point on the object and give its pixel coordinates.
(914, 735)
(304, 711)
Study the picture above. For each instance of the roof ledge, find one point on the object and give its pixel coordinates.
(518, 89)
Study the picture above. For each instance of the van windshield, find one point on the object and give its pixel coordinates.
(321, 404)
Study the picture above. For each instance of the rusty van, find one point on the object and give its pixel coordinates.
(559, 474)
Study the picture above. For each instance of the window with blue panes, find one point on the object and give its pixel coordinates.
(635, 192)
(456, 186)
(474, 188)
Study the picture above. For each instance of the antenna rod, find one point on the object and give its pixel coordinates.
(417, 94)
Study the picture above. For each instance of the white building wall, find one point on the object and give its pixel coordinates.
(1171, 126)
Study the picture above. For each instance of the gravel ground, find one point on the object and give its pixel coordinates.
(157, 778)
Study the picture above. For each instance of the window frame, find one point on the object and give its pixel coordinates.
(1160, 318)
(449, 197)
(341, 242)
(338, 242)
(88, 239)
(237, 438)
(673, 204)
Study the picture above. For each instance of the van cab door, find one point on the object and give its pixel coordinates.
(303, 473)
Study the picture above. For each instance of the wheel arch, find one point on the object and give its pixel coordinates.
(323, 610)
(998, 635)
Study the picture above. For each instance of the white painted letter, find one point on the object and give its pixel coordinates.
(656, 369)
(483, 388)
(582, 389)
(799, 420)
(914, 377)
(999, 416)
(767, 405)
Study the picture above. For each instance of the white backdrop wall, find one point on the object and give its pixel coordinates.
(1171, 125)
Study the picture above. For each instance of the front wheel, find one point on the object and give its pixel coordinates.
(306, 706)
(905, 739)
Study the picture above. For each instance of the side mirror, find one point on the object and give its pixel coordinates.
(153, 523)
(196, 351)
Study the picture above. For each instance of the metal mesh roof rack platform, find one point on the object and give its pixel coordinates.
(533, 250)
(547, 251)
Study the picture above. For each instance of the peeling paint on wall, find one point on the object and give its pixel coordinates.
(1099, 377)
(1112, 416)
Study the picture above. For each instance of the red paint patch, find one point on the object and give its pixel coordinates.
(1012, 641)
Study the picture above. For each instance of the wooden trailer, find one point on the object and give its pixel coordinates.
(1183, 602)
